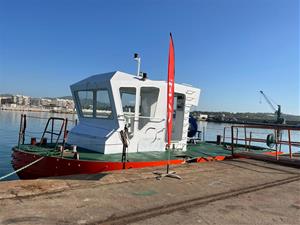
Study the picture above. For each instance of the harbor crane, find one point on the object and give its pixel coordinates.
(279, 118)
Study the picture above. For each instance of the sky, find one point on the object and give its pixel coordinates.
(230, 49)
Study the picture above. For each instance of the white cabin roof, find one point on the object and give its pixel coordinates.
(100, 80)
(118, 78)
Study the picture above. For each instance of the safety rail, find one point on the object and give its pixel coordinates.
(63, 126)
(273, 139)
(52, 132)
(152, 119)
(23, 124)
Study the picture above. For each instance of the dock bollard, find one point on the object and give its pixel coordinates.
(218, 139)
(76, 154)
(44, 141)
(33, 141)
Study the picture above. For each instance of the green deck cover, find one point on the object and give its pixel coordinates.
(193, 151)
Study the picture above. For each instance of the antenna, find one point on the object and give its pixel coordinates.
(138, 59)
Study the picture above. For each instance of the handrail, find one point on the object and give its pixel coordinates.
(270, 126)
(63, 126)
(46, 118)
(22, 130)
(277, 129)
(142, 117)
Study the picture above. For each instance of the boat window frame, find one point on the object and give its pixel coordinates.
(79, 106)
(135, 94)
(150, 118)
(111, 117)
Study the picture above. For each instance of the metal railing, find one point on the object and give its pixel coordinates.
(249, 137)
(62, 131)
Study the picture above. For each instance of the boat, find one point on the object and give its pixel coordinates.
(124, 123)
(109, 105)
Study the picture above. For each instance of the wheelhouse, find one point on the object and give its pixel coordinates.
(106, 103)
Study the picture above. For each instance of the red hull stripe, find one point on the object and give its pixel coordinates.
(52, 166)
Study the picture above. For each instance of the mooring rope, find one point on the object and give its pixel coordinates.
(22, 168)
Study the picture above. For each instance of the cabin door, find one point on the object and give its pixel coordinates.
(178, 117)
(150, 127)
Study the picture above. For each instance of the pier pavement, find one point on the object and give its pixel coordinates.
(240, 191)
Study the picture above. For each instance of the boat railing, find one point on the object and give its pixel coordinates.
(249, 134)
(63, 128)
(152, 119)
(52, 122)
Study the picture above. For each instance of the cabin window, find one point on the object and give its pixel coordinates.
(128, 98)
(149, 97)
(95, 104)
(86, 103)
(103, 105)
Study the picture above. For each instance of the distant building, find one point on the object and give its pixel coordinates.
(22, 100)
(6, 100)
(46, 102)
(35, 102)
(26, 100)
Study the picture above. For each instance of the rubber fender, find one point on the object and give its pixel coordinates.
(270, 141)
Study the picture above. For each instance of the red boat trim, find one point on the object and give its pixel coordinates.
(54, 166)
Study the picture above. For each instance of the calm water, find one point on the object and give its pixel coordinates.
(10, 122)
(9, 129)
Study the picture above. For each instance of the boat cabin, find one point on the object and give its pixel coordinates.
(109, 102)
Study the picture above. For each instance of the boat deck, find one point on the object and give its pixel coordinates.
(201, 150)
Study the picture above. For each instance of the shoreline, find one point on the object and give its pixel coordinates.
(254, 122)
(33, 109)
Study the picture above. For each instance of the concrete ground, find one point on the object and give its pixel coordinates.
(240, 191)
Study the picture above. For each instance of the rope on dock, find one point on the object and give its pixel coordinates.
(22, 168)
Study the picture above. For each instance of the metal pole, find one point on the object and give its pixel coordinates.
(65, 133)
(20, 130)
(139, 66)
(276, 143)
(232, 140)
(280, 140)
(52, 128)
(224, 133)
(237, 135)
(290, 146)
(250, 139)
(168, 164)
(245, 133)
(24, 128)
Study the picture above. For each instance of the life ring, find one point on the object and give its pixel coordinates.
(270, 141)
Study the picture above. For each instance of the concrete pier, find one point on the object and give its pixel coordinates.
(240, 191)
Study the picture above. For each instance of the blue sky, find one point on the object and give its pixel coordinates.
(230, 49)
